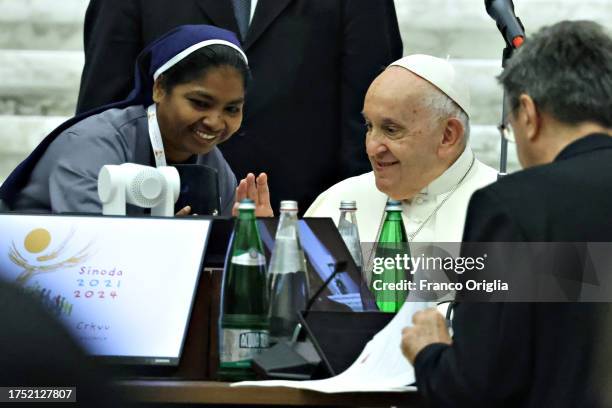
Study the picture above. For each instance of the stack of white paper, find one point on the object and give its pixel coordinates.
(380, 366)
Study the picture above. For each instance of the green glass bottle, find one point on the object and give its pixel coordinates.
(392, 244)
(244, 321)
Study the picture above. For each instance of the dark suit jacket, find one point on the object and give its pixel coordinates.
(312, 62)
(528, 354)
(37, 351)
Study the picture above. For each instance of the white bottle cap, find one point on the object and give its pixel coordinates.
(348, 205)
(288, 205)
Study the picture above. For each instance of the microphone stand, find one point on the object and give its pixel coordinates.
(503, 154)
(511, 45)
(294, 360)
(339, 266)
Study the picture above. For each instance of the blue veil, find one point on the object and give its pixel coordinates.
(157, 57)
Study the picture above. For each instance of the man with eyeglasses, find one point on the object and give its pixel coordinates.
(559, 91)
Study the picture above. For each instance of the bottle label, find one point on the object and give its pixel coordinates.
(240, 345)
(251, 258)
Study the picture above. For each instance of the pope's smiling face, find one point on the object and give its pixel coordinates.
(196, 116)
(403, 136)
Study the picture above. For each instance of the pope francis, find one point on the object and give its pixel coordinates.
(417, 118)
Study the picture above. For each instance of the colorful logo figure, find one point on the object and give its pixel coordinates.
(37, 241)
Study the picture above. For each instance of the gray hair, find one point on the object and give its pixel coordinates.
(567, 70)
(442, 107)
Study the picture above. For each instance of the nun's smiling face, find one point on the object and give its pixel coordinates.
(196, 116)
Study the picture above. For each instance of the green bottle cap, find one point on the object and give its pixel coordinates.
(393, 205)
(246, 204)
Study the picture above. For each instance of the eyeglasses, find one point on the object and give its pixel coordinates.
(507, 132)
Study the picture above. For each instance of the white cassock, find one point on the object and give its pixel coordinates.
(436, 214)
(442, 225)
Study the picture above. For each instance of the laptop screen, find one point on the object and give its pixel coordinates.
(124, 287)
(324, 248)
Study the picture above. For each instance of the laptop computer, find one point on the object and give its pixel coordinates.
(124, 287)
(339, 337)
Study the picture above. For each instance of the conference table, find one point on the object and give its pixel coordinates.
(218, 393)
(199, 362)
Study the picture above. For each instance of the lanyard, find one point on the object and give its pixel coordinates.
(155, 135)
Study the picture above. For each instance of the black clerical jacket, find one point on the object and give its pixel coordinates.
(529, 354)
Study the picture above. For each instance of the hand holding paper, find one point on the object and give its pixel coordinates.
(429, 327)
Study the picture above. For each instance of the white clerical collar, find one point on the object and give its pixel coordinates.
(449, 179)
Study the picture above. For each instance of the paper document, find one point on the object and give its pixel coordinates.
(380, 366)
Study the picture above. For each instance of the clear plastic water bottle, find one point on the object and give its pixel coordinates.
(289, 289)
(347, 226)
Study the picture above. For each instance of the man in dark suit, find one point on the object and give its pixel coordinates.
(37, 351)
(312, 62)
(559, 91)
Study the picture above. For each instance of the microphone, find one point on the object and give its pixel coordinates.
(294, 360)
(339, 266)
(511, 28)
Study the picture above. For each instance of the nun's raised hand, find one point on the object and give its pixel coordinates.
(257, 190)
(183, 211)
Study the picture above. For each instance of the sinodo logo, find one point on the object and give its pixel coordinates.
(42, 255)
(254, 340)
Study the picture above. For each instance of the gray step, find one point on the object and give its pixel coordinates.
(46, 83)
(485, 92)
(459, 27)
(463, 29)
(39, 82)
(42, 24)
(19, 135)
(485, 140)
